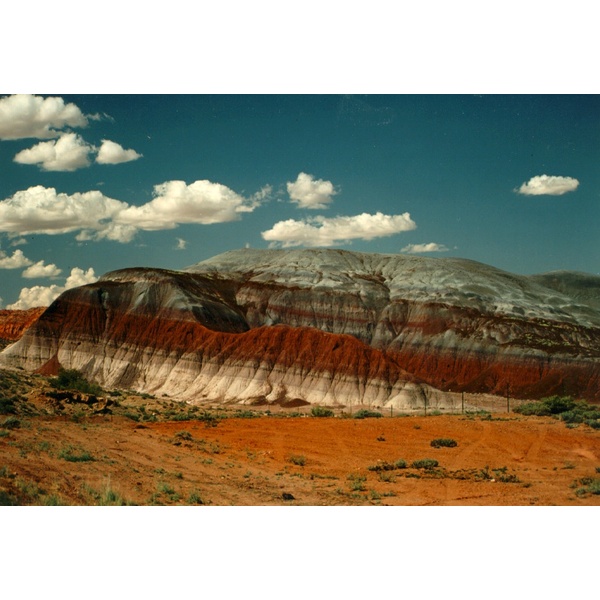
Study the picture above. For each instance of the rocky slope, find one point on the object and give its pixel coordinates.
(14, 322)
(325, 326)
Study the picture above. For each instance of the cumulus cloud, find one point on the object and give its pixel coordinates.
(181, 244)
(111, 153)
(42, 210)
(16, 261)
(308, 192)
(69, 153)
(96, 216)
(45, 295)
(175, 202)
(419, 248)
(29, 116)
(321, 231)
(39, 269)
(549, 185)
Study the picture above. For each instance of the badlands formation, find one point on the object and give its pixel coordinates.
(325, 327)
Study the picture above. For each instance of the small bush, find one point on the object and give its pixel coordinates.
(357, 482)
(320, 411)
(71, 455)
(72, 379)
(363, 413)
(443, 443)
(425, 463)
(11, 423)
(7, 406)
(299, 460)
(387, 466)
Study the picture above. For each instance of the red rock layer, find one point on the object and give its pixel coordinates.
(14, 322)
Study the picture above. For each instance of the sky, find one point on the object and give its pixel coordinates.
(93, 183)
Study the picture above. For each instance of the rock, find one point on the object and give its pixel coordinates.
(331, 327)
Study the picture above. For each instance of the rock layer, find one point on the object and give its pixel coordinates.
(325, 326)
(14, 322)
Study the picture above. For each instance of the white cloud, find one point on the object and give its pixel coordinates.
(68, 153)
(176, 202)
(16, 261)
(307, 192)
(42, 210)
(181, 244)
(29, 116)
(44, 296)
(321, 231)
(419, 248)
(111, 153)
(96, 217)
(549, 185)
(19, 242)
(39, 269)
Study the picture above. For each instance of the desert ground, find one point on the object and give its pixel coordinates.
(148, 451)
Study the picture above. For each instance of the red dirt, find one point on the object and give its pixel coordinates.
(255, 461)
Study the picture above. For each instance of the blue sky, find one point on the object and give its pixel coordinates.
(92, 183)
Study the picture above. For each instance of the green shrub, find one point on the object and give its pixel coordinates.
(298, 459)
(11, 423)
(387, 466)
(72, 379)
(72, 455)
(554, 405)
(363, 413)
(7, 406)
(443, 442)
(357, 482)
(425, 463)
(320, 411)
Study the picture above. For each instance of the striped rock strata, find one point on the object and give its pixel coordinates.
(325, 326)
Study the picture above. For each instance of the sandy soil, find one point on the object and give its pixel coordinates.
(499, 459)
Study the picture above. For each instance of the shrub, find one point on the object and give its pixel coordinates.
(11, 423)
(363, 413)
(357, 482)
(320, 411)
(554, 405)
(7, 406)
(72, 379)
(70, 454)
(443, 442)
(387, 466)
(425, 463)
(298, 459)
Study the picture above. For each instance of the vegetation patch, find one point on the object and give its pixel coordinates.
(387, 466)
(427, 464)
(587, 485)
(363, 413)
(71, 454)
(320, 411)
(443, 443)
(72, 379)
(298, 459)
